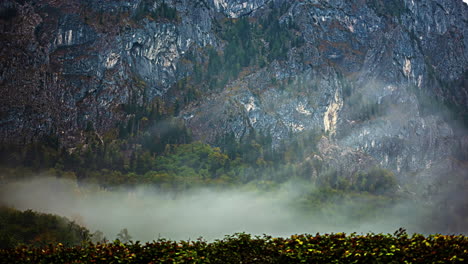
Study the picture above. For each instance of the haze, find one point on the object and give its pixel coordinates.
(211, 214)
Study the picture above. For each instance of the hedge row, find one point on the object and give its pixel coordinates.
(244, 248)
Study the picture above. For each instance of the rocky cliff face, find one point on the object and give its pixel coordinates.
(369, 74)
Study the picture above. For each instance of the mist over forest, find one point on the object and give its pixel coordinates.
(149, 119)
(290, 208)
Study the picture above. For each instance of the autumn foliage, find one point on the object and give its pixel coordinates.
(244, 248)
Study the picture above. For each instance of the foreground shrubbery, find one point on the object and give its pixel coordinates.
(243, 248)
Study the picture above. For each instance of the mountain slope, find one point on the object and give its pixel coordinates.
(382, 80)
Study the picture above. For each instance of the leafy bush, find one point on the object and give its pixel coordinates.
(243, 248)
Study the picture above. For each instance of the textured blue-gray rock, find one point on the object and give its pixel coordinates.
(67, 63)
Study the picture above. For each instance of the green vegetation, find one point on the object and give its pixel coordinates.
(364, 108)
(441, 105)
(37, 229)
(154, 148)
(243, 248)
(376, 181)
(162, 11)
(248, 43)
(168, 159)
(392, 8)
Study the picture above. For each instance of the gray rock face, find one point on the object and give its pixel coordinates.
(73, 62)
(386, 60)
(364, 75)
(237, 8)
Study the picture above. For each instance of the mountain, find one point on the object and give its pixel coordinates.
(383, 83)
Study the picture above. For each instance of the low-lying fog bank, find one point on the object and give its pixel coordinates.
(211, 214)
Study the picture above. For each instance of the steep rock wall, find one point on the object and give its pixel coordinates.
(367, 73)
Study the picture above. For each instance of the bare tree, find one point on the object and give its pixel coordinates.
(124, 236)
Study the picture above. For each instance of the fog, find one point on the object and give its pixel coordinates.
(149, 214)
(211, 214)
